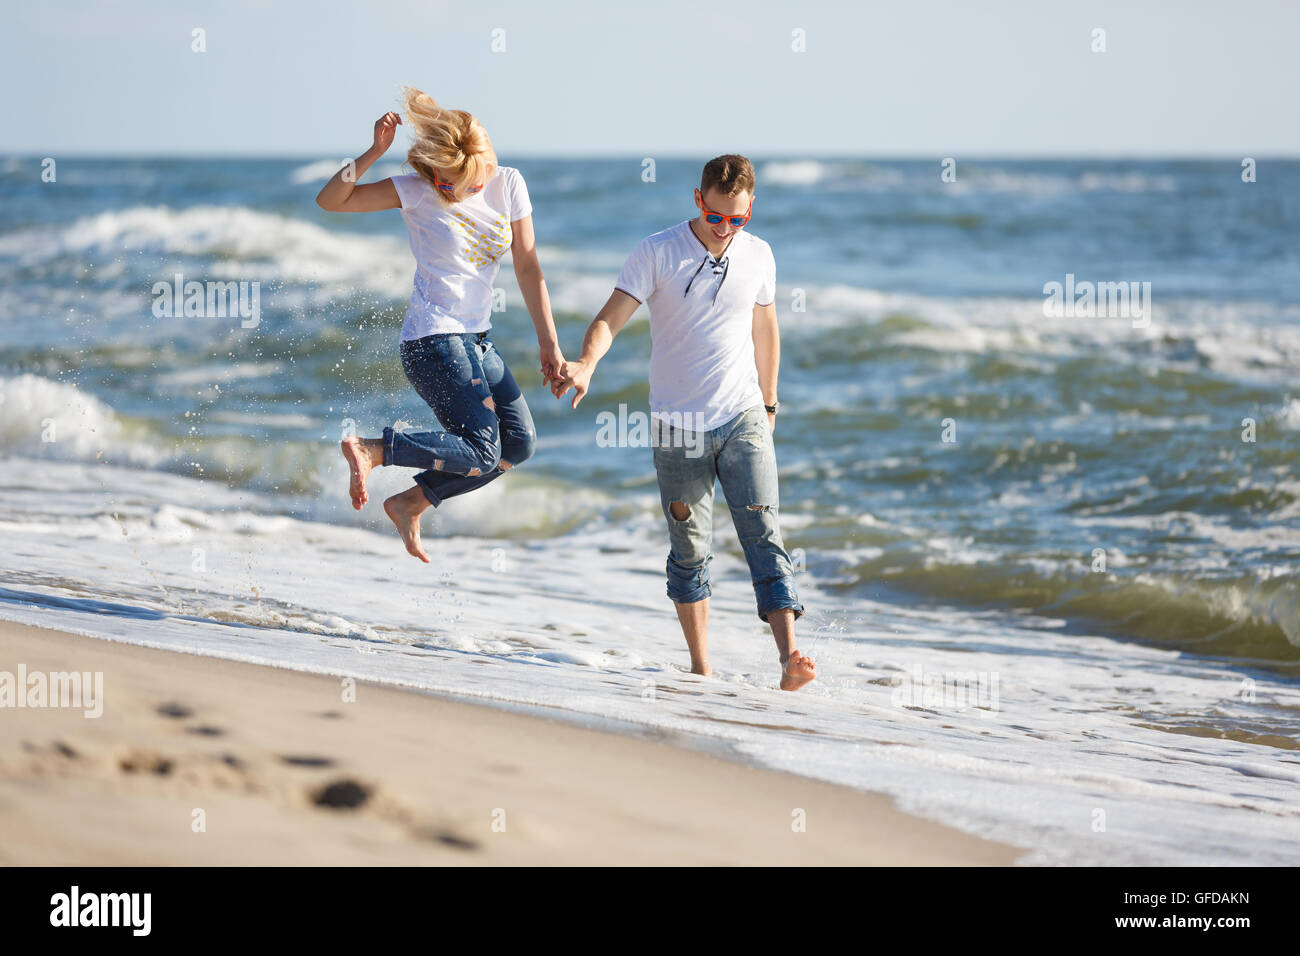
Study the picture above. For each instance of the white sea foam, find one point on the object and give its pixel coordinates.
(224, 242)
(310, 265)
(40, 417)
(264, 419)
(45, 419)
(828, 174)
(1247, 339)
(972, 177)
(324, 169)
(579, 625)
(804, 172)
(218, 373)
(1288, 416)
(318, 171)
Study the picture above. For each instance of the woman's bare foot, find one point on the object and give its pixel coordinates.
(405, 509)
(797, 671)
(360, 458)
(703, 668)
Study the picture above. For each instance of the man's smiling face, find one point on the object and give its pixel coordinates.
(715, 201)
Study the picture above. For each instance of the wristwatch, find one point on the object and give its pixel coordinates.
(772, 409)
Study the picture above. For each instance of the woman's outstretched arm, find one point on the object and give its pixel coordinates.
(342, 194)
(528, 273)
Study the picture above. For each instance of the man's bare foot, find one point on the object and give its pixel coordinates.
(357, 452)
(797, 671)
(703, 668)
(404, 510)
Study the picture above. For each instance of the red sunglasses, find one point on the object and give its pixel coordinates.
(713, 218)
(451, 187)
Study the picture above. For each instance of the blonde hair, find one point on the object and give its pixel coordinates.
(452, 142)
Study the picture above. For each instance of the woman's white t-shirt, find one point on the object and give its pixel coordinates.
(458, 249)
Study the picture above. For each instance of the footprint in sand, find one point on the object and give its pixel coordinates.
(299, 761)
(341, 795)
(142, 761)
(447, 838)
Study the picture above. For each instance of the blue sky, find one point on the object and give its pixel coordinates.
(662, 78)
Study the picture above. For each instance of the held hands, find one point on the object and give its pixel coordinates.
(573, 375)
(385, 130)
(552, 360)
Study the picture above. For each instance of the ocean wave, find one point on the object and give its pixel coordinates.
(318, 171)
(42, 419)
(264, 419)
(826, 173)
(1254, 617)
(1236, 338)
(218, 373)
(219, 242)
(1249, 340)
(1288, 416)
(324, 169)
(971, 177)
(312, 265)
(50, 419)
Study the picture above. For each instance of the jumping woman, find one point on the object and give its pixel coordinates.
(463, 211)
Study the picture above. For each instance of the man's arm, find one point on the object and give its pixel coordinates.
(600, 336)
(767, 354)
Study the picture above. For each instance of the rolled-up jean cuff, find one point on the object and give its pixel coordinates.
(775, 594)
(683, 593)
(428, 492)
(688, 585)
(388, 446)
(697, 594)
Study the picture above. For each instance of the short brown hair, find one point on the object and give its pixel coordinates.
(730, 174)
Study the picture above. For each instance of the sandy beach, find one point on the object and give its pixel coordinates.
(279, 769)
(1032, 472)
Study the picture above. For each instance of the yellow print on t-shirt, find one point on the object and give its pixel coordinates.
(483, 248)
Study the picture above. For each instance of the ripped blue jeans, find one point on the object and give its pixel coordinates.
(488, 427)
(741, 456)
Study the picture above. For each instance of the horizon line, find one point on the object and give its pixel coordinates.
(317, 155)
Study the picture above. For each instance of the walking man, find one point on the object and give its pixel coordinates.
(711, 290)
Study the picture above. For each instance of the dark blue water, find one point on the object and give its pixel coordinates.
(1098, 471)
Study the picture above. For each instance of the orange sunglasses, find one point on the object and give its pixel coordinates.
(451, 187)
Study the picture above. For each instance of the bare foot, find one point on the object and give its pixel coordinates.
(798, 670)
(703, 668)
(405, 510)
(359, 464)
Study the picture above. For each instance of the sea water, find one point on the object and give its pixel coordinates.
(1049, 559)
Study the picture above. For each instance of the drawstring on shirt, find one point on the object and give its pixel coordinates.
(720, 267)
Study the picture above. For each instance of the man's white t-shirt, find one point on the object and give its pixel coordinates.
(458, 249)
(702, 367)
